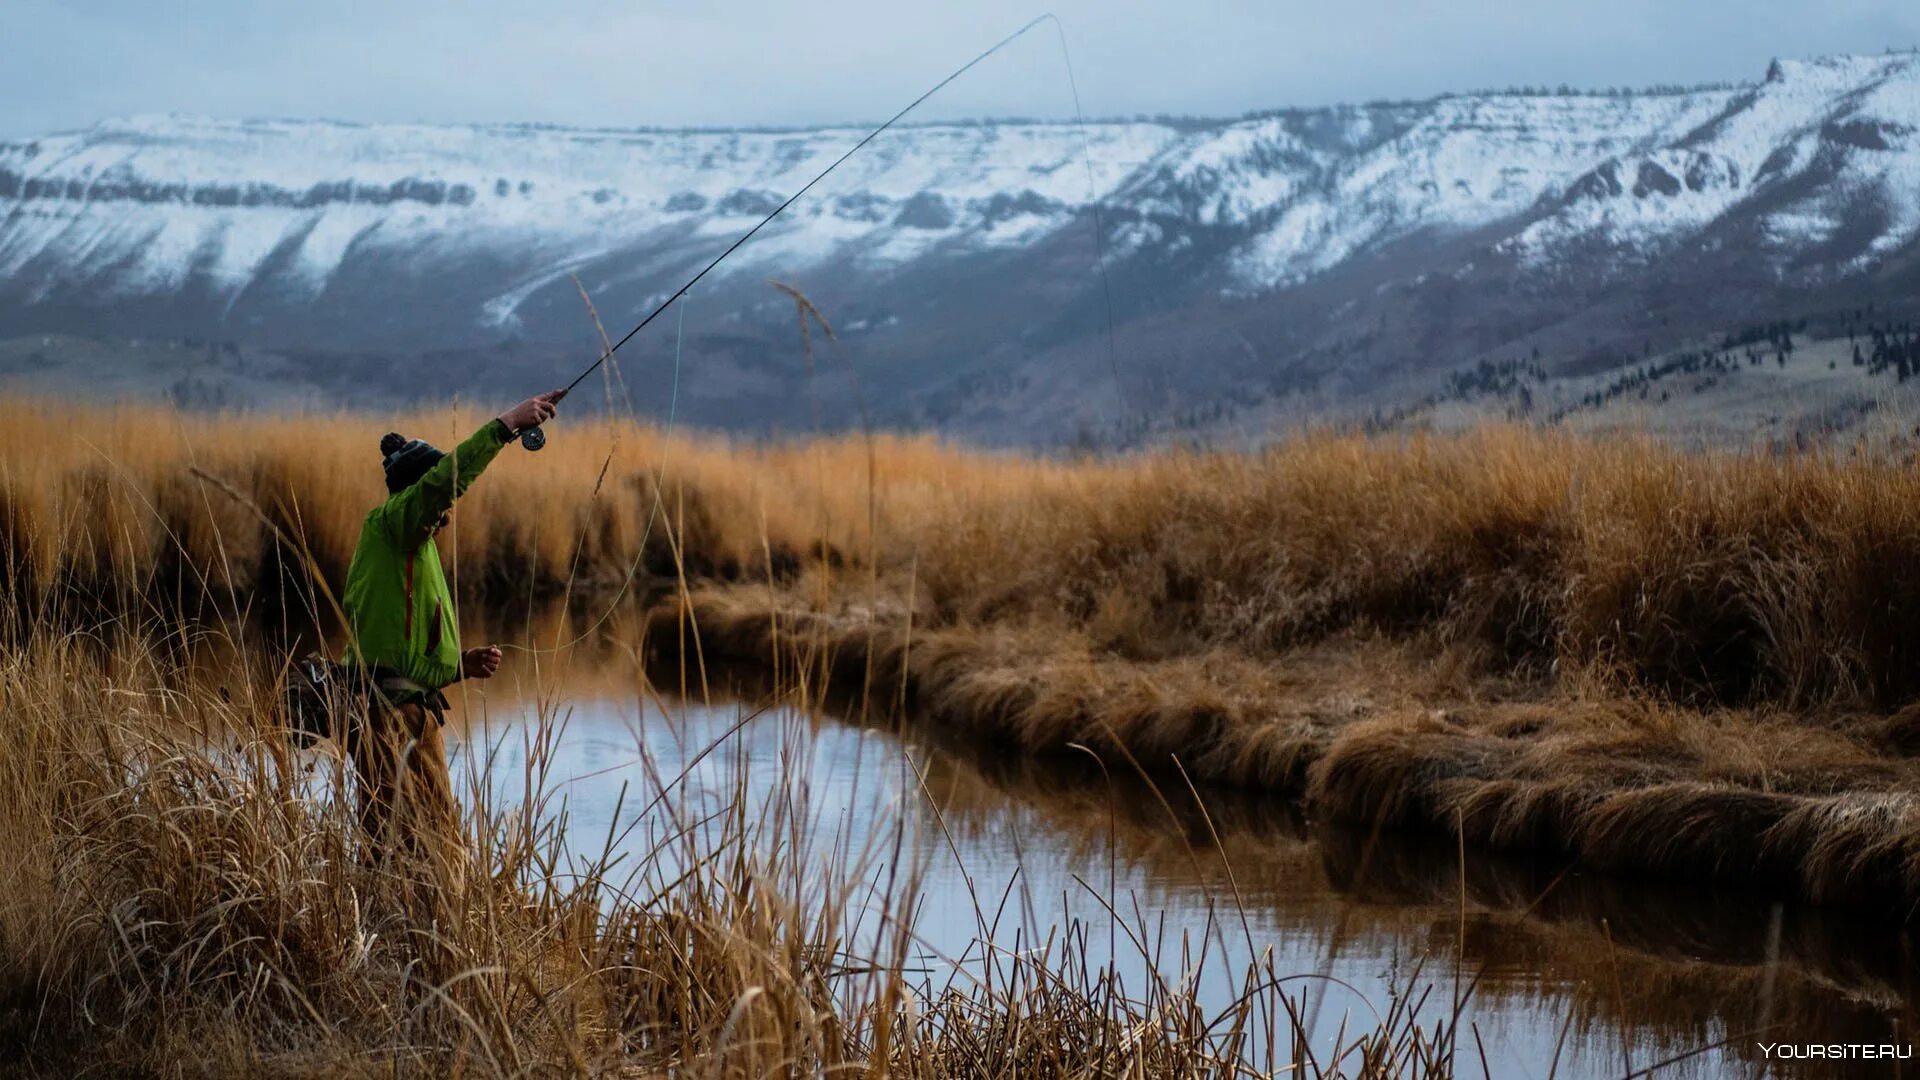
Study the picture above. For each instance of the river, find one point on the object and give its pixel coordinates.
(1559, 972)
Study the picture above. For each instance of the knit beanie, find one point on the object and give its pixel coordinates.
(405, 460)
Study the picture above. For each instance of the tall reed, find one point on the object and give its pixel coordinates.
(1659, 662)
(1713, 578)
(187, 895)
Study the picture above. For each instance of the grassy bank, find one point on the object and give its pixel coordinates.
(186, 897)
(1820, 805)
(1719, 579)
(1683, 966)
(1693, 665)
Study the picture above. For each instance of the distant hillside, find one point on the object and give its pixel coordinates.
(1303, 265)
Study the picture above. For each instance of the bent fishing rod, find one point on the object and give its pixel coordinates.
(533, 438)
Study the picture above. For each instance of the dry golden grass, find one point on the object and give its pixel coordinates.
(1821, 806)
(106, 502)
(1722, 579)
(1655, 661)
(186, 896)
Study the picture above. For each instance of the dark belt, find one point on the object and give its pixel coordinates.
(393, 688)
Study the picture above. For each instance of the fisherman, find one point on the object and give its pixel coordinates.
(404, 643)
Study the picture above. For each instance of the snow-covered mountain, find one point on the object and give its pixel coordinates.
(1305, 251)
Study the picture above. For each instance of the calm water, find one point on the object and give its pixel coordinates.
(1601, 975)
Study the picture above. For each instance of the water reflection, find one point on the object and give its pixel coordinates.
(1600, 975)
(1677, 967)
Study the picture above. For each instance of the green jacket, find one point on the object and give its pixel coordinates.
(400, 613)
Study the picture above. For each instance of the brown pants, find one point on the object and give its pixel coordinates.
(405, 797)
(411, 828)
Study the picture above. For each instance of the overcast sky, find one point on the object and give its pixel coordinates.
(65, 65)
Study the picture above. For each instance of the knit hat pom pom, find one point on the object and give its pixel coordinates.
(390, 443)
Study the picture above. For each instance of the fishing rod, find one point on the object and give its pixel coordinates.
(533, 438)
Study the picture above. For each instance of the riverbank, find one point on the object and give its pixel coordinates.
(746, 842)
(1820, 805)
(189, 896)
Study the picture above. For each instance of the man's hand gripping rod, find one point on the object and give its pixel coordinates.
(533, 438)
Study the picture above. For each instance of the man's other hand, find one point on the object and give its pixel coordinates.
(480, 663)
(532, 412)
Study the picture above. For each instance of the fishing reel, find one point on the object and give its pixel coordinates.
(532, 438)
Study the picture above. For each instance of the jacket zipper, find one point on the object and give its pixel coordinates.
(409, 620)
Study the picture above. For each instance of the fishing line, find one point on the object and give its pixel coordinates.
(659, 492)
(535, 438)
(795, 197)
(1093, 207)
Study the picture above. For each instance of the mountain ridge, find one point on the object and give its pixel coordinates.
(1278, 253)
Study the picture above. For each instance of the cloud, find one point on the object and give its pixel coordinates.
(595, 62)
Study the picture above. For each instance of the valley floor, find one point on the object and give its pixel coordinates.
(1656, 663)
(1653, 660)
